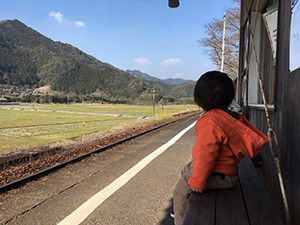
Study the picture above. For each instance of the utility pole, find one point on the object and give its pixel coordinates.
(223, 44)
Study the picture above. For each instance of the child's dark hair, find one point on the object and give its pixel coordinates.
(213, 90)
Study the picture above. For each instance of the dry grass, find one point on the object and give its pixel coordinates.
(23, 144)
(21, 129)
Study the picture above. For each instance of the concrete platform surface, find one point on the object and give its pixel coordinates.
(145, 199)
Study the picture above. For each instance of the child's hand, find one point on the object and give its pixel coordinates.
(196, 190)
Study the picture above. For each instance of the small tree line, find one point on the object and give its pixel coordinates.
(65, 99)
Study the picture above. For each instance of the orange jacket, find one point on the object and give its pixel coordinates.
(221, 142)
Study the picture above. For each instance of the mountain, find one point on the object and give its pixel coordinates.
(178, 88)
(142, 76)
(176, 80)
(145, 76)
(29, 58)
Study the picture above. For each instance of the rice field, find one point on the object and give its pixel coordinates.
(117, 108)
(21, 129)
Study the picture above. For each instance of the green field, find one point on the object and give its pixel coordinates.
(121, 109)
(20, 129)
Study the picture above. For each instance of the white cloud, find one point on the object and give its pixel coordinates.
(142, 61)
(172, 62)
(178, 75)
(58, 16)
(206, 64)
(80, 23)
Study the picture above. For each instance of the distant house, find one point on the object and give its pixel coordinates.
(3, 100)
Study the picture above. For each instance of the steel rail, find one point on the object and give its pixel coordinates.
(20, 182)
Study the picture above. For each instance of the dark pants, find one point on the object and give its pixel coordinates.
(182, 189)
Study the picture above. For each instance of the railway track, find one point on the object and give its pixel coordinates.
(15, 177)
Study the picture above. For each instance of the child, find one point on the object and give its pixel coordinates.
(223, 138)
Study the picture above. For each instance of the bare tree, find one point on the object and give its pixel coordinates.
(212, 43)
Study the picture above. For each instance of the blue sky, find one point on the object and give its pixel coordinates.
(143, 35)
